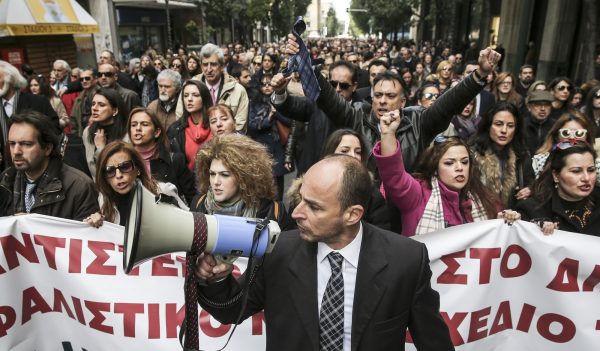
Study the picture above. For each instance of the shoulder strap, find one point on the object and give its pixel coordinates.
(200, 200)
(276, 210)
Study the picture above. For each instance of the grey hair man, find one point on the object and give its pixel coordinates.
(62, 71)
(224, 89)
(169, 86)
(13, 101)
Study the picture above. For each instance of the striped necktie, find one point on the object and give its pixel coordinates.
(331, 319)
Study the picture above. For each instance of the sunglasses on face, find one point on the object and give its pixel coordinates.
(175, 66)
(106, 74)
(563, 87)
(343, 86)
(82, 79)
(430, 96)
(566, 133)
(123, 167)
(597, 95)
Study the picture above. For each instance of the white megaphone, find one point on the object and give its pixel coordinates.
(156, 228)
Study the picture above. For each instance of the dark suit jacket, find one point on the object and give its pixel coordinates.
(392, 292)
(365, 94)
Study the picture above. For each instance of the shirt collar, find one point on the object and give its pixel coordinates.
(11, 101)
(216, 86)
(350, 252)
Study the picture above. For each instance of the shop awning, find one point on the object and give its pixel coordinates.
(157, 4)
(44, 17)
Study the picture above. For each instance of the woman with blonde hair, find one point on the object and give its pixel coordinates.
(235, 177)
(504, 89)
(444, 72)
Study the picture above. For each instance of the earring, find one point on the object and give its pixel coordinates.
(139, 173)
(555, 185)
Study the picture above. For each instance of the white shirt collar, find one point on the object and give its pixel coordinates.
(11, 101)
(350, 252)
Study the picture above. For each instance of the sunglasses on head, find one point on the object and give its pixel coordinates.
(440, 139)
(343, 86)
(123, 167)
(563, 87)
(85, 79)
(430, 96)
(566, 133)
(106, 74)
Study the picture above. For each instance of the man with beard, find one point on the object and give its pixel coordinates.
(169, 85)
(39, 181)
(13, 101)
(526, 76)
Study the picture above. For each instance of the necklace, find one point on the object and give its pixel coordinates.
(581, 215)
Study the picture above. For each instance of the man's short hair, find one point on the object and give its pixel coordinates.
(348, 65)
(12, 76)
(526, 66)
(111, 54)
(379, 63)
(46, 130)
(211, 49)
(236, 70)
(390, 76)
(64, 64)
(356, 185)
(172, 75)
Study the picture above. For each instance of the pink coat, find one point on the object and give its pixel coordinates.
(410, 195)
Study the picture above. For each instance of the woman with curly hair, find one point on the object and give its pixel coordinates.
(119, 167)
(504, 89)
(235, 177)
(446, 189)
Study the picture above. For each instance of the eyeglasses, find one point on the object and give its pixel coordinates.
(447, 69)
(175, 66)
(256, 63)
(507, 82)
(123, 167)
(343, 86)
(82, 79)
(106, 74)
(597, 95)
(430, 96)
(563, 87)
(566, 133)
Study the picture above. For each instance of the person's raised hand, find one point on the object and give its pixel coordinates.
(279, 83)
(488, 60)
(292, 47)
(389, 122)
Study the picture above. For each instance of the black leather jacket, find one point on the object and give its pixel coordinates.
(419, 125)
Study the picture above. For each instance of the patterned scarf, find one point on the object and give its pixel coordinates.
(433, 216)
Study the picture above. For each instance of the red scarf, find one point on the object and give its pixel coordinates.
(195, 135)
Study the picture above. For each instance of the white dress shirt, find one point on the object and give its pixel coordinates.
(349, 269)
(9, 106)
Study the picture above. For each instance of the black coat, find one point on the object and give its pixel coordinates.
(553, 210)
(392, 293)
(171, 167)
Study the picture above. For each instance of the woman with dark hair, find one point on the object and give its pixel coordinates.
(149, 85)
(351, 143)
(561, 88)
(577, 100)
(119, 167)
(150, 140)
(504, 89)
(193, 65)
(592, 107)
(178, 65)
(565, 196)
(264, 124)
(106, 124)
(235, 178)
(38, 85)
(192, 129)
(501, 154)
(465, 124)
(445, 190)
(410, 85)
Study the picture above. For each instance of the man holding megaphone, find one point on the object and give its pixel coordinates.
(336, 283)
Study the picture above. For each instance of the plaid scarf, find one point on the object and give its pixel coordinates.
(433, 216)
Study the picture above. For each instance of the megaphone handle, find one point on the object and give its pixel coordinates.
(226, 259)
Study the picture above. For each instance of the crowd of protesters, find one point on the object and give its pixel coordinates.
(448, 137)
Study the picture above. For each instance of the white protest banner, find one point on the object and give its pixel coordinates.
(63, 288)
(511, 288)
(502, 288)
